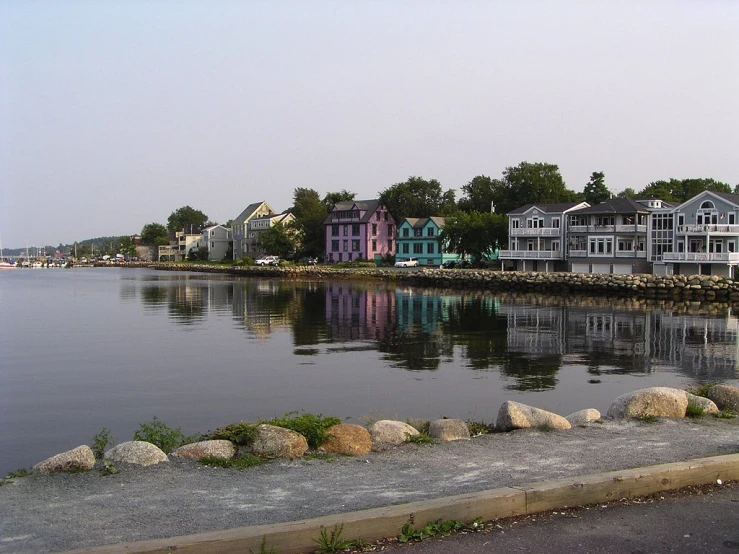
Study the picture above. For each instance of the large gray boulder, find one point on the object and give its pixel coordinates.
(277, 442)
(77, 459)
(514, 415)
(347, 438)
(650, 402)
(387, 431)
(706, 404)
(726, 397)
(449, 430)
(213, 448)
(583, 417)
(140, 453)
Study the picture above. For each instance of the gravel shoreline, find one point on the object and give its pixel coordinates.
(63, 512)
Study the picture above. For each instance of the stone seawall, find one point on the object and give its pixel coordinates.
(682, 287)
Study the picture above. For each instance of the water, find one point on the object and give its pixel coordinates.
(86, 348)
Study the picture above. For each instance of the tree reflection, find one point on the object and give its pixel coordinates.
(531, 373)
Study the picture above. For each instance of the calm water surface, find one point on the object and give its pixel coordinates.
(87, 348)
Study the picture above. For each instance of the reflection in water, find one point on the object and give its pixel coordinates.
(528, 338)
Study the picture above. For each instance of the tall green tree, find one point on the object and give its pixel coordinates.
(278, 240)
(475, 234)
(418, 197)
(310, 214)
(483, 194)
(154, 234)
(680, 190)
(332, 198)
(596, 190)
(534, 183)
(628, 192)
(187, 218)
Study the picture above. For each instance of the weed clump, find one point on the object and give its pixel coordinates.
(647, 418)
(241, 463)
(478, 428)
(694, 410)
(312, 427)
(241, 434)
(420, 438)
(100, 441)
(700, 390)
(162, 435)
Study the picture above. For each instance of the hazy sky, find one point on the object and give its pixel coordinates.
(115, 113)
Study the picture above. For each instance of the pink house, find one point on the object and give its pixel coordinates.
(359, 230)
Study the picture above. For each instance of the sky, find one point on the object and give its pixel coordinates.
(115, 113)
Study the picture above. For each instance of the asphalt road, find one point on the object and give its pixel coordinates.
(700, 520)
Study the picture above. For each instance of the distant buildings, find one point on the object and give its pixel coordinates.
(359, 230)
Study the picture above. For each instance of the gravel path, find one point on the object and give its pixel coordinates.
(62, 512)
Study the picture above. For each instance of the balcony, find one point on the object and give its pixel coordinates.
(607, 229)
(531, 254)
(708, 229)
(618, 254)
(536, 232)
(722, 257)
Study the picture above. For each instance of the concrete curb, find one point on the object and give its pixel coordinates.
(377, 523)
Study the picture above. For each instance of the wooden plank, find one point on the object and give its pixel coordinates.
(615, 485)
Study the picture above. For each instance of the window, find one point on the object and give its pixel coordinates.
(346, 230)
(355, 246)
(707, 205)
(374, 246)
(390, 230)
(346, 245)
(334, 245)
(212, 244)
(430, 232)
(417, 232)
(430, 248)
(405, 232)
(374, 228)
(334, 230)
(377, 216)
(390, 245)
(555, 245)
(514, 223)
(732, 218)
(418, 248)
(405, 248)
(555, 223)
(625, 245)
(385, 214)
(601, 246)
(355, 229)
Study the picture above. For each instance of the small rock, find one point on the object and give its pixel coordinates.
(653, 401)
(277, 442)
(726, 397)
(214, 448)
(707, 404)
(77, 459)
(449, 430)
(141, 453)
(583, 417)
(347, 438)
(514, 415)
(391, 432)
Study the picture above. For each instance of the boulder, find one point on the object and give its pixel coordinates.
(141, 453)
(514, 415)
(278, 442)
(347, 438)
(583, 417)
(709, 407)
(77, 459)
(449, 430)
(391, 432)
(653, 401)
(726, 397)
(214, 448)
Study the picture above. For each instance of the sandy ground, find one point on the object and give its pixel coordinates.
(62, 512)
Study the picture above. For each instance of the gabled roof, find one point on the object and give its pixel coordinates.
(420, 222)
(546, 208)
(614, 206)
(728, 196)
(213, 227)
(367, 206)
(248, 213)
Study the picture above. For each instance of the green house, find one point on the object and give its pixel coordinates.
(418, 237)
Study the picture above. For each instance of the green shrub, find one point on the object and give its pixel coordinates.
(421, 438)
(162, 435)
(312, 427)
(694, 410)
(647, 418)
(240, 463)
(725, 414)
(479, 428)
(242, 433)
(101, 441)
(420, 425)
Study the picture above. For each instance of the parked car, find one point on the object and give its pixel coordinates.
(409, 262)
(308, 261)
(456, 264)
(267, 260)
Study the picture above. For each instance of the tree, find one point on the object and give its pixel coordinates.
(476, 234)
(534, 183)
(680, 190)
(418, 197)
(596, 190)
(278, 240)
(154, 234)
(483, 194)
(186, 218)
(628, 192)
(332, 198)
(310, 214)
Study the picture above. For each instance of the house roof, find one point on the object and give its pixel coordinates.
(733, 198)
(367, 206)
(213, 227)
(420, 222)
(614, 206)
(546, 208)
(248, 212)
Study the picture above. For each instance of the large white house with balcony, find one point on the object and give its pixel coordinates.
(705, 237)
(610, 237)
(536, 236)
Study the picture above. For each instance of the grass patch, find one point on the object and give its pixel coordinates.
(725, 414)
(109, 468)
(18, 473)
(647, 418)
(241, 463)
(420, 425)
(263, 548)
(432, 529)
(700, 390)
(241, 434)
(421, 438)
(312, 427)
(694, 410)
(330, 543)
(478, 428)
(162, 435)
(322, 456)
